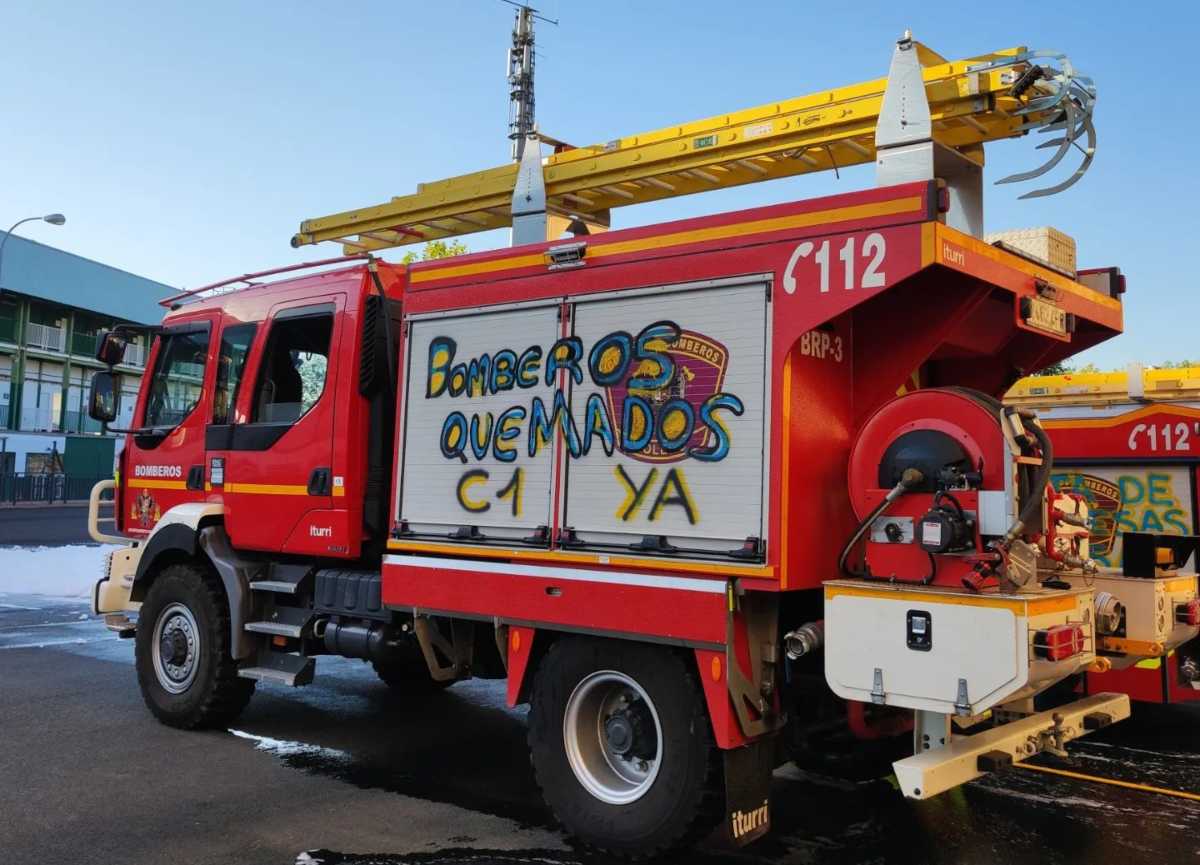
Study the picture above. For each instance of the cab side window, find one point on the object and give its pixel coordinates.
(178, 379)
(292, 375)
(231, 368)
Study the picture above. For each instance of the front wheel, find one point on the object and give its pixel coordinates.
(186, 672)
(621, 746)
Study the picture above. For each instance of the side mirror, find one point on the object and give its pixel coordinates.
(102, 399)
(110, 349)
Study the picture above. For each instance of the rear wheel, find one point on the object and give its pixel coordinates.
(184, 667)
(621, 746)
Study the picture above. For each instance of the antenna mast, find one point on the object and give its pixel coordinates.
(520, 81)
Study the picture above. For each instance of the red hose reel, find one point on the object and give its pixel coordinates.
(946, 522)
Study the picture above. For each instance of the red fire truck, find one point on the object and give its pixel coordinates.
(1129, 443)
(685, 487)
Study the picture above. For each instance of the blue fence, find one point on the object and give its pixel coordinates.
(46, 487)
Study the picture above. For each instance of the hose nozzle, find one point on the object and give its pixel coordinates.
(912, 477)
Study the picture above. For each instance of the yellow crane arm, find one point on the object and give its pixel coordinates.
(971, 102)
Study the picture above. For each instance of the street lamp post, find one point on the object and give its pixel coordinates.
(52, 218)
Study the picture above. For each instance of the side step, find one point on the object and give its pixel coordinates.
(291, 670)
(280, 586)
(284, 579)
(280, 629)
(283, 622)
(966, 758)
(121, 624)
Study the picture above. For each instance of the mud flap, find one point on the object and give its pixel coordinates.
(748, 791)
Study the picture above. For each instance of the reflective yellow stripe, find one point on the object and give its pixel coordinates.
(152, 484)
(761, 226)
(896, 206)
(986, 250)
(1181, 584)
(762, 572)
(1130, 647)
(268, 489)
(785, 469)
(1032, 607)
(928, 243)
(271, 489)
(1118, 420)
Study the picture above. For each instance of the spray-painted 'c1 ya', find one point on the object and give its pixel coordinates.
(654, 396)
(1130, 499)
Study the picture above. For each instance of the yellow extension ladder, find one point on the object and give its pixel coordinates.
(970, 102)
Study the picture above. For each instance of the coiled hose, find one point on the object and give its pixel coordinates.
(910, 478)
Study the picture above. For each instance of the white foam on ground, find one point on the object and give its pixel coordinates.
(64, 572)
(286, 748)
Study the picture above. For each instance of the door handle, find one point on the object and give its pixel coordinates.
(195, 478)
(318, 482)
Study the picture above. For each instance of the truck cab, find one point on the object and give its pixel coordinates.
(257, 408)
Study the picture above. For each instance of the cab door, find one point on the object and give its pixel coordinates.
(274, 470)
(164, 462)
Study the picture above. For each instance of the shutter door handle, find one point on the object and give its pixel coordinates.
(318, 482)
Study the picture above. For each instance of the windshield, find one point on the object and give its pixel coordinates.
(176, 384)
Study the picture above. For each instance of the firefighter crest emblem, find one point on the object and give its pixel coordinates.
(1104, 504)
(145, 509)
(700, 363)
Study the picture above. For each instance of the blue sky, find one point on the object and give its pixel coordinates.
(186, 142)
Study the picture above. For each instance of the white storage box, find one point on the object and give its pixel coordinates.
(1048, 245)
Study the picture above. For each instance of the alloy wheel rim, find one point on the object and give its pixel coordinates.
(613, 737)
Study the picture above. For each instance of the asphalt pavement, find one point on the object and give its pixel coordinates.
(344, 771)
(49, 525)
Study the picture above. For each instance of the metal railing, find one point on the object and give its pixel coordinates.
(45, 336)
(135, 354)
(85, 344)
(45, 487)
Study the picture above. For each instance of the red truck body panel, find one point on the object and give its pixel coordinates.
(863, 296)
(936, 306)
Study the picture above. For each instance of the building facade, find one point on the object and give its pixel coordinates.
(53, 305)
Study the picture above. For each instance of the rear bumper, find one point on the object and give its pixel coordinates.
(969, 757)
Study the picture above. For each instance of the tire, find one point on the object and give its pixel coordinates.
(190, 680)
(636, 805)
(407, 673)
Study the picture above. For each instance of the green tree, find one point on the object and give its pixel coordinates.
(435, 249)
(1060, 368)
(1064, 368)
